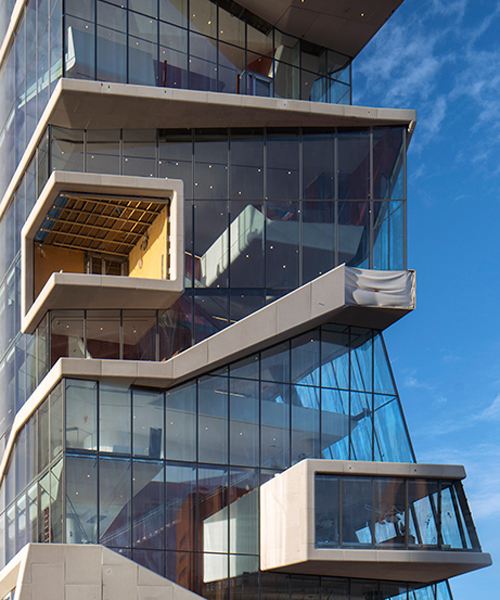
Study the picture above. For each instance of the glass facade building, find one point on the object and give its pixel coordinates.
(294, 185)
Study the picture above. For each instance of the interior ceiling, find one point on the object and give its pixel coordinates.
(342, 25)
(96, 222)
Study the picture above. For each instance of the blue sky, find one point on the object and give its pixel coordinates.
(442, 58)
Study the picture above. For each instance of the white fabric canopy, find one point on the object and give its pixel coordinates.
(388, 289)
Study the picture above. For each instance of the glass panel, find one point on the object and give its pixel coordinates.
(334, 589)
(81, 414)
(305, 401)
(389, 512)
(247, 164)
(80, 45)
(244, 425)
(103, 151)
(203, 61)
(246, 252)
(391, 437)
(453, 532)
(353, 234)
(56, 421)
(243, 515)
(103, 334)
(212, 419)
(139, 334)
(174, 11)
(173, 57)
(213, 510)
(318, 238)
(148, 520)
(305, 359)
(66, 334)
(147, 422)
(388, 157)
(326, 510)
(43, 435)
(81, 500)
(114, 502)
(211, 314)
(154, 560)
(357, 505)
(66, 149)
(231, 67)
(114, 419)
(211, 244)
(282, 164)
(353, 160)
(180, 507)
(181, 422)
(282, 245)
(56, 498)
(275, 427)
(423, 507)
(335, 424)
(388, 233)
(139, 151)
(203, 17)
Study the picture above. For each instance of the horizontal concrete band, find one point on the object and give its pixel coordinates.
(322, 300)
(85, 104)
(95, 105)
(64, 571)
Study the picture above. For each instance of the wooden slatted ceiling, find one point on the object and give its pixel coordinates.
(98, 222)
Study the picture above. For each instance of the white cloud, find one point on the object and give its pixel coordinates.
(492, 412)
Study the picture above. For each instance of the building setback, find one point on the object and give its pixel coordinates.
(201, 244)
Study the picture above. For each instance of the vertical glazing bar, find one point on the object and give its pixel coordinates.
(349, 453)
(456, 509)
(405, 241)
(301, 206)
(371, 262)
(336, 196)
(341, 479)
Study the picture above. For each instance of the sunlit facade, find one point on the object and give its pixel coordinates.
(201, 243)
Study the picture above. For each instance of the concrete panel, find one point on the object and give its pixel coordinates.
(79, 572)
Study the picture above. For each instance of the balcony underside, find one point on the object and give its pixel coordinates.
(342, 26)
(395, 565)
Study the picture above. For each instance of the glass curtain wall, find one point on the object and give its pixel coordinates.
(205, 446)
(28, 76)
(265, 211)
(200, 45)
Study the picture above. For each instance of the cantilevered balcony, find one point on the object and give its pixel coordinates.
(396, 521)
(100, 241)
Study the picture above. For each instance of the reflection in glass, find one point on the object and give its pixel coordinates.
(114, 419)
(114, 502)
(148, 520)
(81, 500)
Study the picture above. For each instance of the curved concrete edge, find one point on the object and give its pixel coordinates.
(83, 572)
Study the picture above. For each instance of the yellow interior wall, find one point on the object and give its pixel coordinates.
(55, 260)
(152, 257)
